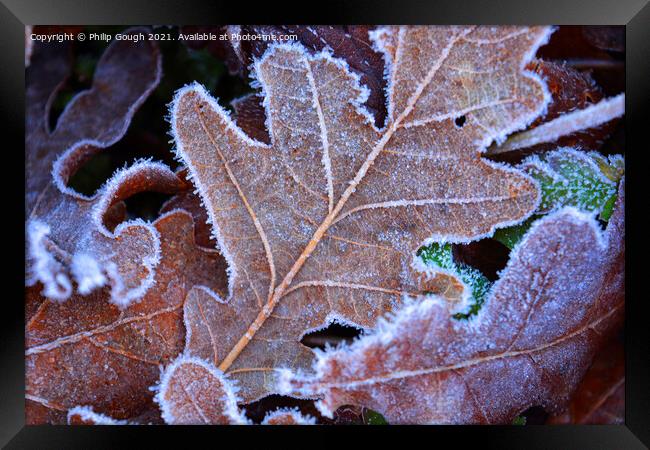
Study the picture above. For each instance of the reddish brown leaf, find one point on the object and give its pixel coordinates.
(351, 43)
(251, 117)
(288, 417)
(194, 392)
(529, 345)
(84, 415)
(323, 224)
(67, 234)
(600, 398)
(188, 201)
(571, 91)
(87, 351)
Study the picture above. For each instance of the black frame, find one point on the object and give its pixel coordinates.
(635, 14)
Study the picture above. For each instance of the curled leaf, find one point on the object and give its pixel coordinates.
(67, 236)
(87, 351)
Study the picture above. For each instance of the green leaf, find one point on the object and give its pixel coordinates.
(371, 417)
(567, 177)
(512, 235)
(441, 256)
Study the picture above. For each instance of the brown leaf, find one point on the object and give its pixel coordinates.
(573, 93)
(194, 392)
(600, 398)
(251, 118)
(324, 223)
(288, 417)
(84, 415)
(188, 201)
(88, 351)
(351, 43)
(529, 345)
(67, 233)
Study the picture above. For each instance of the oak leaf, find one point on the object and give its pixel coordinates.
(288, 416)
(323, 223)
(351, 43)
(87, 351)
(85, 415)
(194, 392)
(530, 344)
(571, 91)
(67, 234)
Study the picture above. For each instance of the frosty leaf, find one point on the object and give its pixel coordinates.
(87, 351)
(566, 125)
(351, 43)
(194, 392)
(529, 345)
(67, 234)
(570, 90)
(323, 223)
(84, 415)
(288, 416)
(568, 177)
(125, 75)
(600, 398)
(68, 237)
(475, 284)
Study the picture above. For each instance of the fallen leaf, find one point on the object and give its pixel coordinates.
(600, 398)
(194, 392)
(559, 297)
(351, 43)
(323, 224)
(287, 416)
(84, 415)
(61, 249)
(188, 201)
(563, 128)
(569, 177)
(251, 117)
(87, 351)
